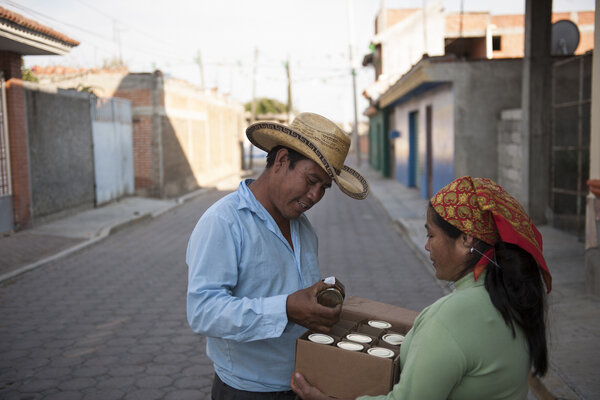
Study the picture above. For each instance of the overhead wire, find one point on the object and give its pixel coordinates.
(46, 17)
(304, 73)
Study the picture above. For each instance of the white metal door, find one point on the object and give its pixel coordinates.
(113, 148)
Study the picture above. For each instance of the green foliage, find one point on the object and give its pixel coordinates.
(265, 105)
(83, 88)
(28, 75)
(114, 62)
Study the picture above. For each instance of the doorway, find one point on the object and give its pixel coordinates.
(413, 149)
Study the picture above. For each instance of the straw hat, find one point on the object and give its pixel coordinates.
(320, 140)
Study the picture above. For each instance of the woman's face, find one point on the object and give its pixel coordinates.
(448, 255)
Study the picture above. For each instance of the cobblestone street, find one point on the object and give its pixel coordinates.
(108, 322)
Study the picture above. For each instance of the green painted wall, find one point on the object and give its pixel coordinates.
(379, 145)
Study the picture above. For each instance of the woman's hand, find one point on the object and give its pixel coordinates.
(305, 390)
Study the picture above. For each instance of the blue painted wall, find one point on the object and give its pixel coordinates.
(408, 118)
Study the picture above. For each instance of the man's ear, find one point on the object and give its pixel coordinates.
(281, 158)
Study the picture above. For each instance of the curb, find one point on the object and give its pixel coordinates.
(103, 233)
(51, 258)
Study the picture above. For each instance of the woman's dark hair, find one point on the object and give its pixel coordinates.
(293, 155)
(515, 289)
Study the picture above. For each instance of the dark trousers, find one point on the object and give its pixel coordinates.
(222, 391)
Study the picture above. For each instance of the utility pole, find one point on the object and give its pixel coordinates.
(253, 105)
(289, 89)
(425, 46)
(200, 65)
(353, 72)
(117, 39)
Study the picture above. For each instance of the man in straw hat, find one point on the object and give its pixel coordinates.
(253, 264)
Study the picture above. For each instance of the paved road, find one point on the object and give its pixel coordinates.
(109, 321)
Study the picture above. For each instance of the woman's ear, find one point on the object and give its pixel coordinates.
(468, 240)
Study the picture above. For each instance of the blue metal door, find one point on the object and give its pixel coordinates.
(413, 148)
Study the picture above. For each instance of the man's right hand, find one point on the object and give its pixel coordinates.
(303, 309)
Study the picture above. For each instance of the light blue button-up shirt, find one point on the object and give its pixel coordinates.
(241, 270)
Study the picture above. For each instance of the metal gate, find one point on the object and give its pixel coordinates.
(113, 148)
(6, 214)
(571, 101)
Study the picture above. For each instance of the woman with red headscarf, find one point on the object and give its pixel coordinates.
(482, 340)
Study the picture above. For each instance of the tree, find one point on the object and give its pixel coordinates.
(265, 105)
(27, 74)
(114, 62)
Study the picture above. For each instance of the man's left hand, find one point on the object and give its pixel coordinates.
(302, 308)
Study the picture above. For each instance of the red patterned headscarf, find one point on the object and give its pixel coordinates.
(481, 208)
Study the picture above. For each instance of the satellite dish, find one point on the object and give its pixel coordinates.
(565, 37)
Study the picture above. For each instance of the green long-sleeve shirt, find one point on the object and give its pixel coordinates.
(461, 348)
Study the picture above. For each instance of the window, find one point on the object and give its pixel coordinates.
(496, 43)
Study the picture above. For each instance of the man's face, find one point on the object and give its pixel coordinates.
(296, 190)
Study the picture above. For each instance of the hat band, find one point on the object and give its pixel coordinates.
(303, 139)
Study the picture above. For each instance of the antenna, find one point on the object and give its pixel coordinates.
(565, 37)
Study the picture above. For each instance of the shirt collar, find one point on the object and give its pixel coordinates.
(468, 281)
(247, 200)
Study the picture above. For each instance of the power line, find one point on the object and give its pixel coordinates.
(94, 34)
(47, 17)
(170, 44)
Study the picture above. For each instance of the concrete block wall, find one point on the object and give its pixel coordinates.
(61, 159)
(482, 89)
(509, 152)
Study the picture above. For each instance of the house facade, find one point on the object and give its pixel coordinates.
(19, 36)
(437, 117)
(442, 124)
(511, 98)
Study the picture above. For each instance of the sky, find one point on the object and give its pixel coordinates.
(240, 46)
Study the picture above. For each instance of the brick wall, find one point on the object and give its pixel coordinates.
(511, 29)
(470, 21)
(10, 64)
(142, 152)
(143, 143)
(19, 153)
(145, 94)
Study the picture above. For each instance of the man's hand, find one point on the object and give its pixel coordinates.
(305, 390)
(303, 309)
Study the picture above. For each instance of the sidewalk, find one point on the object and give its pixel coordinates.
(574, 317)
(28, 249)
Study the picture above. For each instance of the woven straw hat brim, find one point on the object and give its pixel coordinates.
(266, 135)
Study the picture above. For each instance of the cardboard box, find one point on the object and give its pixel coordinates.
(346, 374)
